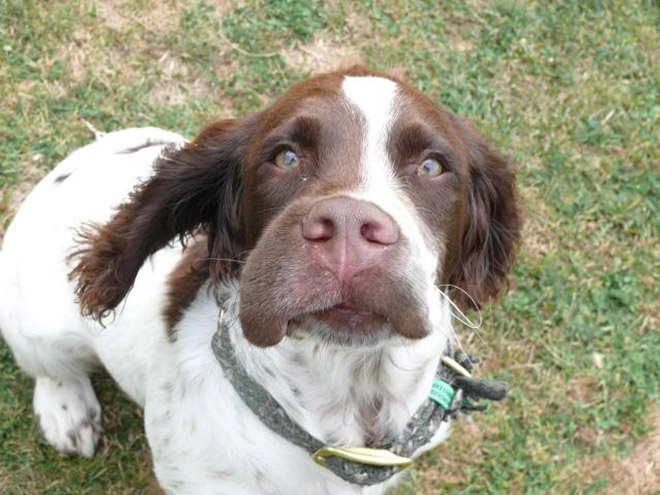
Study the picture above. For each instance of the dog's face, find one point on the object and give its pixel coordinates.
(340, 209)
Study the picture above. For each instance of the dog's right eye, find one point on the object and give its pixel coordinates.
(430, 168)
(287, 159)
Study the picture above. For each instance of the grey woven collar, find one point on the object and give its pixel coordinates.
(419, 431)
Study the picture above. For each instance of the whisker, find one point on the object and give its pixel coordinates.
(462, 317)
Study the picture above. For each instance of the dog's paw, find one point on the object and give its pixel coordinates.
(69, 415)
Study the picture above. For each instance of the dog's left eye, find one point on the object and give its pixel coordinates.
(287, 159)
(430, 168)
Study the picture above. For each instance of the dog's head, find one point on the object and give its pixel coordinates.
(340, 208)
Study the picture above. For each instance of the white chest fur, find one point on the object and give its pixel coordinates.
(206, 440)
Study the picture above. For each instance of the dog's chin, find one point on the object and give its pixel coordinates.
(343, 326)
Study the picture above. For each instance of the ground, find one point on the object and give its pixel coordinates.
(569, 90)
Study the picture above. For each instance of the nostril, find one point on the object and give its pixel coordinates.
(379, 233)
(368, 231)
(319, 230)
(326, 230)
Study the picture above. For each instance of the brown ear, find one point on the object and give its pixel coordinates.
(197, 186)
(491, 228)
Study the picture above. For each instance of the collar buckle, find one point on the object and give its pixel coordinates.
(363, 455)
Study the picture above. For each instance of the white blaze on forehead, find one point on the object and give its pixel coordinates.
(375, 97)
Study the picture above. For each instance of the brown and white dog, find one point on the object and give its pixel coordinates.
(334, 224)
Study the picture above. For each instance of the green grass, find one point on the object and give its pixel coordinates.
(571, 90)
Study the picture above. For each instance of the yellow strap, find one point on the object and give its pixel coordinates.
(456, 367)
(363, 455)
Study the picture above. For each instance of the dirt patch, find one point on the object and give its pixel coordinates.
(86, 54)
(636, 474)
(83, 59)
(582, 389)
(359, 27)
(83, 56)
(650, 317)
(639, 474)
(109, 13)
(155, 16)
(28, 93)
(321, 55)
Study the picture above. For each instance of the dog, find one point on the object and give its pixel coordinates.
(283, 280)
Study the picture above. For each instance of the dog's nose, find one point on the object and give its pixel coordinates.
(349, 235)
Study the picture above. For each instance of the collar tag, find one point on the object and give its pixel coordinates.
(442, 393)
(363, 455)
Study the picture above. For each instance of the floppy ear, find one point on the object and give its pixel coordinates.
(197, 186)
(491, 227)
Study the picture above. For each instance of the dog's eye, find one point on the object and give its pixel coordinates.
(430, 168)
(287, 159)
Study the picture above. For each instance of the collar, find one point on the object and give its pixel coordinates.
(363, 466)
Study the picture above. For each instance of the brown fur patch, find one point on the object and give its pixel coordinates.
(184, 283)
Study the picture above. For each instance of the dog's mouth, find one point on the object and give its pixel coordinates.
(350, 319)
(343, 324)
(364, 313)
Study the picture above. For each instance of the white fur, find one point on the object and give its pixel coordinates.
(203, 438)
(69, 414)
